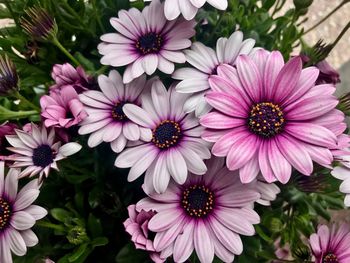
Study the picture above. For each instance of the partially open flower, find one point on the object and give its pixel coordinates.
(5, 129)
(39, 24)
(67, 75)
(8, 76)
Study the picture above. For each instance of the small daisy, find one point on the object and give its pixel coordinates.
(174, 146)
(146, 41)
(38, 151)
(17, 215)
(206, 214)
(188, 8)
(204, 61)
(107, 121)
(270, 116)
(331, 245)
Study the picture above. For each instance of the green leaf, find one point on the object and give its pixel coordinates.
(94, 226)
(129, 254)
(60, 214)
(100, 241)
(78, 253)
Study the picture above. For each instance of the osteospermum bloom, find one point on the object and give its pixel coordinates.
(67, 75)
(207, 214)
(137, 226)
(38, 151)
(204, 61)
(146, 41)
(107, 121)
(188, 8)
(269, 116)
(174, 145)
(331, 245)
(17, 215)
(62, 108)
(8, 76)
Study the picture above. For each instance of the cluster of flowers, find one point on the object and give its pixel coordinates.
(237, 119)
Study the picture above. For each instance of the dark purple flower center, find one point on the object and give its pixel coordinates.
(167, 134)
(330, 258)
(149, 43)
(266, 119)
(118, 113)
(5, 213)
(42, 156)
(198, 201)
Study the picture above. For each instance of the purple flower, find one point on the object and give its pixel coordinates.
(17, 215)
(107, 121)
(204, 62)
(137, 226)
(173, 145)
(269, 116)
(38, 151)
(331, 245)
(327, 73)
(67, 75)
(62, 108)
(8, 76)
(146, 41)
(207, 214)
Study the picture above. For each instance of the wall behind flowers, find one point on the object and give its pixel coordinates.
(80, 116)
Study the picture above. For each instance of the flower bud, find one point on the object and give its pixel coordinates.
(39, 24)
(77, 235)
(8, 76)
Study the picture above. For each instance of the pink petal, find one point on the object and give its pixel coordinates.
(273, 66)
(216, 120)
(203, 242)
(280, 166)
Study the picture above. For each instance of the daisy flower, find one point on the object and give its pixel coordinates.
(206, 214)
(331, 245)
(62, 108)
(107, 121)
(17, 215)
(204, 61)
(174, 146)
(146, 41)
(188, 8)
(269, 116)
(38, 151)
(137, 226)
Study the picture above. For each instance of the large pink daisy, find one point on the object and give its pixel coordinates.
(269, 116)
(106, 119)
(146, 41)
(331, 245)
(206, 214)
(17, 215)
(174, 146)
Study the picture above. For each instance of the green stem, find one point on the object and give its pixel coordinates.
(50, 225)
(98, 17)
(346, 28)
(6, 114)
(26, 102)
(327, 16)
(65, 51)
(101, 70)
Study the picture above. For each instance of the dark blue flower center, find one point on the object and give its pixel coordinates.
(198, 201)
(167, 134)
(5, 213)
(149, 43)
(118, 113)
(42, 156)
(330, 258)
(266, 119)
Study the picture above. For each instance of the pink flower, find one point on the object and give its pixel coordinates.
(207, 214)
(67, 75)
(269, 116)
(331, 245)
(107, 121)
(38, 151)
(5, 129)
(17, 215)
(62, 108)
(137, 226)
(146, 41)
(173, 145)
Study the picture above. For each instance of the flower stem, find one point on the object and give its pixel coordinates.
(327, 16)
(26, 102)
(50, 225)
(6, 114)
(65, 51)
